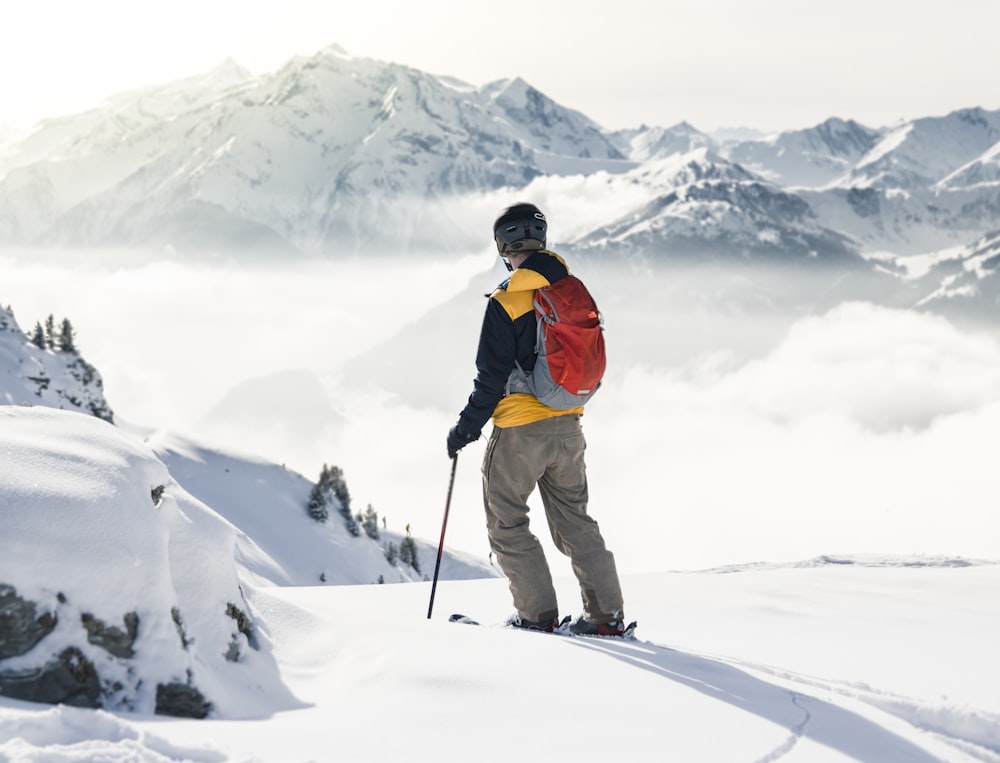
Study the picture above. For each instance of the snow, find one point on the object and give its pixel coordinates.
(891, 142)
(871, 658)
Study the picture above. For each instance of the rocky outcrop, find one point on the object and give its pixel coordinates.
(70, 677)
(48, 372)
(21, 627)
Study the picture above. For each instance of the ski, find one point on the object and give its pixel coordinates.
(562, 629)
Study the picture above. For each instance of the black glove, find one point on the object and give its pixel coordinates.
(457, 439)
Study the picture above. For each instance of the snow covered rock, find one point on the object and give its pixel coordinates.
(117, 588)
(55, 377)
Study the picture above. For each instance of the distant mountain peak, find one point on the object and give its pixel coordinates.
(334, 49)
(517, 94)
(334, 154)
(230, 70)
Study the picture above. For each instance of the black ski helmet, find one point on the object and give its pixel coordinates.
(520, 228)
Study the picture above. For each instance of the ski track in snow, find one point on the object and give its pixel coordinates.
(975, 732)
(771, 694)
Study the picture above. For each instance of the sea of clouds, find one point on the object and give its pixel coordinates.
(724, 432)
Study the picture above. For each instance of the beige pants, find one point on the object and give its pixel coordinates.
(549, 454)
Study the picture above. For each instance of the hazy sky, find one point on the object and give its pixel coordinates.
(768, 64)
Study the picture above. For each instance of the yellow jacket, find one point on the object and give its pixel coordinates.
(508, 335)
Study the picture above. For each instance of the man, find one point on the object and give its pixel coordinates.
(533, 445)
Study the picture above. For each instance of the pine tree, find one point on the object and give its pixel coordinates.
(408, 553)
(50, 331)
(332, 487)
(67, 341)
(38, 336)
(370, 523)
(350, 524)
(391, 553)
(317, 504)
(338, 485)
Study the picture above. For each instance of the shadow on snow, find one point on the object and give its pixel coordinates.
(803, 715)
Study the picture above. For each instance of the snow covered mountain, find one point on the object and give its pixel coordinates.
(647, 143)
(811, 158)
(921, 153)
(926, 184)
(917, 187)
(981, 172)
(334, 155)
(699, 205)
(958, 283)
(329, 152)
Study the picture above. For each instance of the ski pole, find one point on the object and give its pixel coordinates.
(444, 524)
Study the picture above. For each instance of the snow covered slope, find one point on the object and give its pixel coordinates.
(121, 589)
(244, 490)
(960, 283)
(277, 542)
(881, 661)
(133, 560)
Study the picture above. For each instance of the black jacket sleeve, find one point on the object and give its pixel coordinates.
(494, 363)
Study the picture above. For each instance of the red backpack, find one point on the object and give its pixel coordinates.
(570, 346)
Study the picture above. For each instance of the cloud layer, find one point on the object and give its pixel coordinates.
(855, 430)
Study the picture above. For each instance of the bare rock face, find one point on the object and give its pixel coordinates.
(116, 641)
(69, 677)
(21, 627)
(181, 701)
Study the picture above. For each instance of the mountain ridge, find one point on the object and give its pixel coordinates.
(331, 155)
